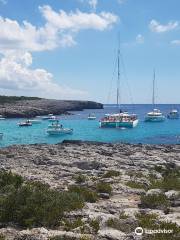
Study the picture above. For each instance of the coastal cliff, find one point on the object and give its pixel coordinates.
(36, 106)
(122, 187)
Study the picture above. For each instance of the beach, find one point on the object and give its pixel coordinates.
(129, 181)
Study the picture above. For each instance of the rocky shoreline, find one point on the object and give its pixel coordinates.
(133, 176)
(32, 108)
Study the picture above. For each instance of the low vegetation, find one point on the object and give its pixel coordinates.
(12, 99)
(70, 225)
(94, 223)
(150, 221)
(111, 173)
(154, 201)
(33, 204)
(103, 187)
(80, 178)
(170, 178)
(134, 184)
(2, 237)
(85, 193)
(121, 225)
(123, 215)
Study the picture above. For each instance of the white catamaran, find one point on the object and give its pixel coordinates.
(155, 115)
(120, 119)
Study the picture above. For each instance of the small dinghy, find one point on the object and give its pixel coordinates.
(91, 117)
(35, 121)
(58, 129)
(2, 118)
(53, 119)
(174, 114)
(25, 124)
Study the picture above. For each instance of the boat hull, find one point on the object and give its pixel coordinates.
(154, 119)
(173, 116)
(35, 121)
(124, 124)
(59, 131)
(91, 118)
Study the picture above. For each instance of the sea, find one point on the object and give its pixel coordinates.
(167, 132)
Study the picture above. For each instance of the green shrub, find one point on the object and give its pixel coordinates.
(122, 215)
(87, 194)
(69, 225)
(121, 225)
(85, 238)
(151, 222)
(2, 237)
(154, 201)
(170, 180)
(95, 225)
(111, 173)
(8, 179)
(135, 174)
(134, 184)
(35, 204)
(103, 187)
(146, 220)
(80, 178)
(62, 238)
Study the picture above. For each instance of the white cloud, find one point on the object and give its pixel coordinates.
(139, 39)
(76, 21)
(19, 40)
(175, 42)
(15, 75)
(159, 28)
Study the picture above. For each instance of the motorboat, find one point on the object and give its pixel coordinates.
(173, 114)
(2, 118)
(35, 121)
(53, 119)
(27, 123)
(58, 129)
(91, 117)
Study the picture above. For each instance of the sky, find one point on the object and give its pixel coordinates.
(67, 49)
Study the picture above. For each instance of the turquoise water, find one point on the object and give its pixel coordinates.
(167, 132)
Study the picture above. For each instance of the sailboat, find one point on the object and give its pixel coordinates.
(155, 115)
(173, 114)
(120, 119)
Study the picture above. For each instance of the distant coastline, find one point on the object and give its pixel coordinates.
(28, 107)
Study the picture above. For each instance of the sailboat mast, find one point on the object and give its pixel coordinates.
(118, 80)
(153, 97)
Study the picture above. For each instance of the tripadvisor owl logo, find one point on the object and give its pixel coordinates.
(139, 231)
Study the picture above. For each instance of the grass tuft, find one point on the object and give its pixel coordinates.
(103, 187)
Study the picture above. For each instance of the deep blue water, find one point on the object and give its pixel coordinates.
(167, 132)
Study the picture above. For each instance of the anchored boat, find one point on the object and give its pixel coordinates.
(35, 121)
(174, 114)
(120, 119)
(27, 123)
(58, 129)
(155, 115)
(91, 117)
